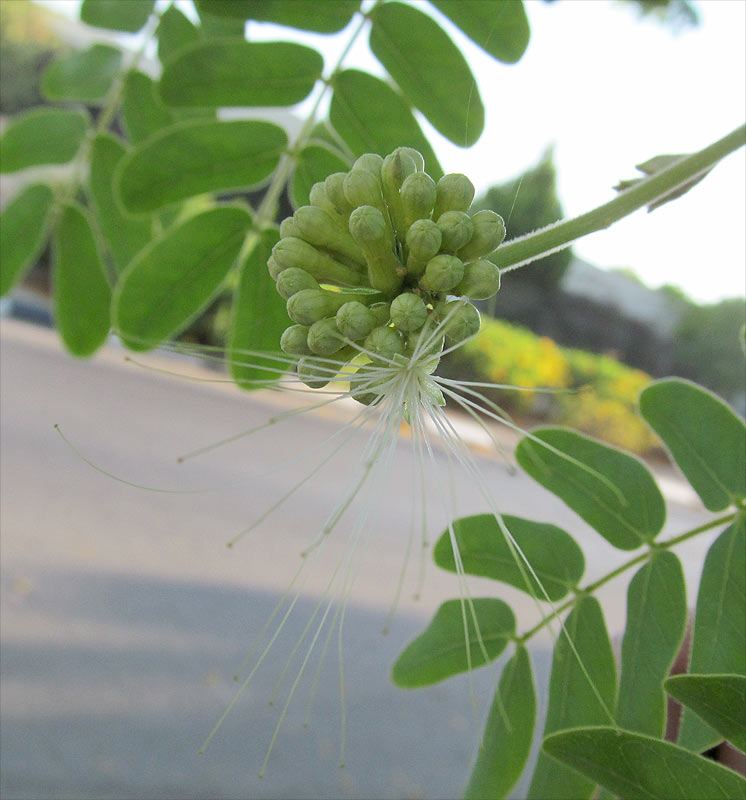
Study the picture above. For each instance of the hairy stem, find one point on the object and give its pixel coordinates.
(592, 587)
(524, 249)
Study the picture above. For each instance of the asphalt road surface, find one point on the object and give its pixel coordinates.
(124, 616)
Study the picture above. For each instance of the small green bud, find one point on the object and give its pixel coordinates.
(293, 252)
(381, 312)
(408, 312)
(489, 231)
(324, 337)
(274, 268)
(481, 280)
(355, 320)
(461, 320)
(289, 228)
(370, 162)
(455, 193)
(310, 305)
(362, 188)
(292, 280)
(370, 230)
(383, 344)
(318, 197)
(423, 240)
(320, 228)
(457, 229)
(417, 197)
(317, 371)
(415, 155)
(442, 273)
(294, 340)
(396, 168)
(334, 185)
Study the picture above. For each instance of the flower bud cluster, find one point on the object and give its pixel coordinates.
(383, 259)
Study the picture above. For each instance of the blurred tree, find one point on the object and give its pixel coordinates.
(526, 203)
(677, 14)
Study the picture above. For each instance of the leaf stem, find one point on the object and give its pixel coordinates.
(524, 249)
(592, 587)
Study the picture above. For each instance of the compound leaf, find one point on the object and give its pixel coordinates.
(429, 69)
(705, 438)
(506, 743)
(719, 638)
(371, 117)
(656, 620)
(611, 490)
(499, 27)
(42, 136)
(82, 292)
(314, 163)
(24, 226)
(440, 651)
(85, 76)
(259, 318)
(640, 767)
(309, 15)
(128, 16)
(234, 72)
(199, 156)
(124, 236)
(720, 700)
(582, 691)
(176, 277)
(484, 550)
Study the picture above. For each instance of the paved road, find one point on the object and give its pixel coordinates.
(124, 616)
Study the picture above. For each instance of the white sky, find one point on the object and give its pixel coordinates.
(609, 92)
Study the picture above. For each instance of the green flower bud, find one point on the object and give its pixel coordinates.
(324, 337)
(408, 312)
(362, 188)
(415, 155)
(334, 185)
(455, 193)
(417, 197)
(274, 268)
(318, 197)
(381, 312)
(320, 228)
(289, 228)
(489, 231)
(396, 168)
(457, 229)
(292, 280)
(383, 343)
(423, 240)
(369, 229)
(294, 340)
(442, 273)
(292, 252)
(461, 320)
(355, 320)
(370, 162)
(317, 371)
(481, 280)
(310, 305)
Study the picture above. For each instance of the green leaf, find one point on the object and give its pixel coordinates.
(314, 163)
(720, 700)
(440, 651)
(42, 136)
(124, 236)
(639, 767)
(573, 699)
(24, 227)
(116, 15)
(82, 293)
(143, 114)
(373, 118)
(553, 554)
(611, 490)
(234, 72)
(656, 621)
(705, 438)
(506, 743)
(655, 165)
(175, 31)
(719, 639)
(85, 76)
(199, 156)
(499, 27)
(259, 318)
(308, 15)
(176, 277)
(429, 69)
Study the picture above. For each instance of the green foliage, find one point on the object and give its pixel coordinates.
(115, 15)
(307, 15)
(315, 162)
(42, 136)
(85, 76)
